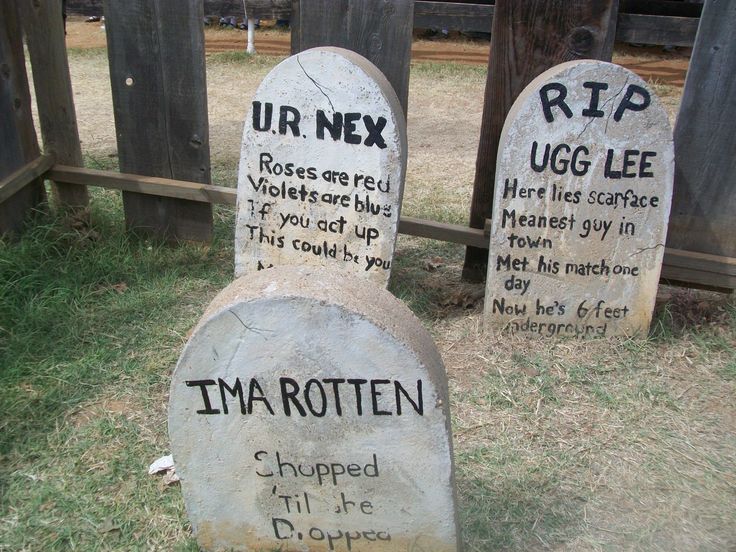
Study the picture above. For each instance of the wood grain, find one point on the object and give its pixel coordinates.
(44, 31)
(657, 29)
(379, 30)
(18, 144)
(681, 267)
(156, 54)
(703, 214)
(528, 38)
(16, 181)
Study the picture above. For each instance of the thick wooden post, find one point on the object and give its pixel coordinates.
(18, 144)
(379, 30)
(703, 217)
(44, 30)
(527, 38)
(156, 53)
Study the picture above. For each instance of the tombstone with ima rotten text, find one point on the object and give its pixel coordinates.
(307, 413)
(322, 167)
(582, 199)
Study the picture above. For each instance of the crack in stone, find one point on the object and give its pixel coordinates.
(613, 98)
(647, 249)
(318, 85)
(249, 328)
(603, 105)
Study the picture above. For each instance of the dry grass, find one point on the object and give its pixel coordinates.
(560, 445)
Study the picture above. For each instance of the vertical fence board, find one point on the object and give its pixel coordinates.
(156, 54)
(703, 215)
(44, 30)
(379, 30)
(528, 38)
(18, 143)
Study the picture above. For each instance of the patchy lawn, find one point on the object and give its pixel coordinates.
(560, 445)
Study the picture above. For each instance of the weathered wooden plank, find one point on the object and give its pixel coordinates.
(156, 53)
(378, 30)
(18, 144)
(463, 17)
(19, 179)
(268, 9)
(528, 38)
(679, 266)
(699, 270)
(661, 7)
(453, 233)
(44, 31)
(657, 29)
(147, 185)
(703, 216)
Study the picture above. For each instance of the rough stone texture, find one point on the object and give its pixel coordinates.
(526, 291)
(306, 323)
(332, 201)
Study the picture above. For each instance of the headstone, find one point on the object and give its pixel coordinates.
(307, 413)
(582, 200)
(322, 167)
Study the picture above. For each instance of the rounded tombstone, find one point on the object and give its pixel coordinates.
(322, 167)
(310, 413)
(583, 190)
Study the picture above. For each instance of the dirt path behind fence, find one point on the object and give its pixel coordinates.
(651, 62)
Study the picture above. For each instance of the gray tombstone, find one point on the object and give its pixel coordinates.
(311, 414)
(322, 168)
(582, 199)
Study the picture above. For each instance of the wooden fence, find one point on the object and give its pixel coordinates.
(158, 77)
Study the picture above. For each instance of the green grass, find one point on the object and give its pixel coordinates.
(553, 438)
(559, 445)
(96, 316)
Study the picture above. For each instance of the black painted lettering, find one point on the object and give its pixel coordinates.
(374, 130)
(289, 117)
(645, 164)
(336, 392)
(265, 124)
(559, 166)
(350, 136)
(374, 397)
(202, 384)
(334, 127)
(627, 104)
(319, 412)
(358, 396)
(579, 167)
(252, 388)
(608, 171)
(234, 391)
(277, 528)
(595, 95)
(257, 457)
(558, 101)
(539, 167)
(417, 405)
(289, 392)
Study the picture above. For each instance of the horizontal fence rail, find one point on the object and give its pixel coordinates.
(19, 179)
(711, 271)
(638, 28)
(469, 17)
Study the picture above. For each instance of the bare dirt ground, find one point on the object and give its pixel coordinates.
(651, 63)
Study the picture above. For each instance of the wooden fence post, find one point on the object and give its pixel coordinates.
(703, 217)
(44, 30)
(157, 70)
(379, 30)
(18, 144)
(527, 38)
